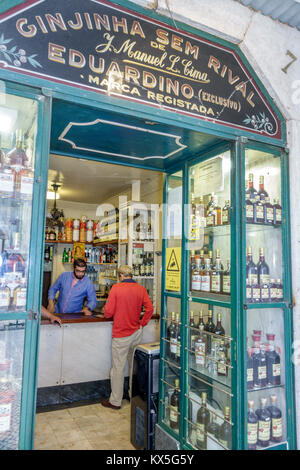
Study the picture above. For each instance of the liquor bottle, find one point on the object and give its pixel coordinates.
(201, 322)
(279, 290)
(273, 291)
(264, 424)
(213, 427)
(273, 362)
(173, 339)
(193, 332)
(269, 212)
(218, 332)
(250, 366)
(262, 192)
(178, 341)
(192, 266)
(251, 268)
(20, 295)
(171, 332)
(196, 276)
(255, 358)
(225, 431)
(249, 210)
(252, 426)
(265, 292)
(203, 419)
(200, 348)
(208, 210)
(259, 214)
(255, 292)
(226, 284)
(174, 407)
(226, 213)
(217, 276)
(6, 177)
(4, 295)
(262, 379)
(263, 271)
(222, 368)
(276, 420)
(47, 254)
(206, 276)
(210, 328)
(251, 191)
(277, 212)
(69, 255)
(248, 291)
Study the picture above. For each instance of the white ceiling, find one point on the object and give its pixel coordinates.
(90, 182)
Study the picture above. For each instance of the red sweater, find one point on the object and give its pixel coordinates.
(124, 304)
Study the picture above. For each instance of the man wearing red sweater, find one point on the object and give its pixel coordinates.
(124, 305)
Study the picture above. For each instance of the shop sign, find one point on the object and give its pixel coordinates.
(173, 269)
(100, 46)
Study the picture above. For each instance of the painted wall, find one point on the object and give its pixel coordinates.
(265, 43)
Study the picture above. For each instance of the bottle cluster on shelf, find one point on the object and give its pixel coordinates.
(264, 426)
(73, 230)
(145, 266)
(206, 276)
(16, 172)
(259, 209)
(208, 423)
(263, 362)
(207, 215)
(13, 281)
(259, 286)
(104, 255)
(206, 342)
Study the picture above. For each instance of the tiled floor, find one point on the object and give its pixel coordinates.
(89, 427)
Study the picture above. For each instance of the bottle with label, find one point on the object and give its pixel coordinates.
(276, 420)
(217, 277)
(6, 177)
(251, 268)
(248, 291)
(173, 339)
(277, 212)
(255, 292)
(263, 271)
(64, 256)
(218, 333)
(259, 211)
(174, 407)
(250, 368)
(255, 358)
(249, 210)
(4, 295)
(264, 424)
(225, 432)
(203, 419)
(200, 348)
(252, 426)
(262, 192)
(206, 276)
(209, 219)
(209, 328)
(226, 284)
(251, 192)
(192, 331)
(171, 332)
(222, 365)
(196, 276)
(47, 254)
(178, 343)
(269, 212)
(17, 158)
(265, 292)
(273, 291)
(262, 379)
(226, 213)
(273, 362)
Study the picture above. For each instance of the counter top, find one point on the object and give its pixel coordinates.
(79, 318)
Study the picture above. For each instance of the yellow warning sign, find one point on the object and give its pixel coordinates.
(173, 269)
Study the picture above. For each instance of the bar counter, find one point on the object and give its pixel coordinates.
(75, 358)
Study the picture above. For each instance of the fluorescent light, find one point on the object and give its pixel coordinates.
(51, 195)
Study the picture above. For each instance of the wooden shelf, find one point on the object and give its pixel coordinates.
(61, 242)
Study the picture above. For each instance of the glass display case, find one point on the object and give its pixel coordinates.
(19, 117)
(226, 332)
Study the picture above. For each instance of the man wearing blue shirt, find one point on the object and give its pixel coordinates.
(73, 287)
